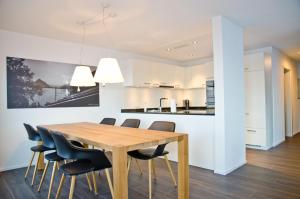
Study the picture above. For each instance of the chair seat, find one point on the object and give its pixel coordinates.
(40, 148)
(145, 154)
(77, 167)
(53, 157)
(76, 143)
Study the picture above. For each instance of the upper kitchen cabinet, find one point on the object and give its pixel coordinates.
(196, 76)
(168, 75)
(139, 73)
(143, 73)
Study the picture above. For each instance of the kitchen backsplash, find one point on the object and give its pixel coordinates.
(149, 97)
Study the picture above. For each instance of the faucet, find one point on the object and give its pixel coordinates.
(160, 100)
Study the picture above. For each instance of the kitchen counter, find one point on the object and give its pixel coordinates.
(200, 129)
(180, 111)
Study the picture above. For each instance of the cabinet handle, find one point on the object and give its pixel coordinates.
(251, 130)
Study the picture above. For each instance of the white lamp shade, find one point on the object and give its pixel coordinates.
(82, 77)
(108, 71)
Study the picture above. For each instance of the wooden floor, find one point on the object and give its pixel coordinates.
(268, 174)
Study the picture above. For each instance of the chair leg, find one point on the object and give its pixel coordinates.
(29, 165)
(129, 164)
(72, 187)
(95, 183)
(35, 169)
(57, 166)
(99, 175)
(43, 176)
(61, 183)
(109, 182)
(52, 179)
(139, 167)
(153, 169)
(89, 181)
(150, 178)
(170, 170)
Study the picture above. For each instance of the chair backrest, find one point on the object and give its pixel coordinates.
(162, 126)
(108, 121)
(63, 147)
(132, 123)
(32, 133)
(68, 151)
(46, 138)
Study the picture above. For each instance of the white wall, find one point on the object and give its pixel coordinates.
(298, 100)
(14, 145)
(279, 63)
(229, 93)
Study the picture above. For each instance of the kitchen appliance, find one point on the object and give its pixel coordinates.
(210, 94)
(186, 104)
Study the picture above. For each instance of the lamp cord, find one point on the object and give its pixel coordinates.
(94, 20)
(82, 42)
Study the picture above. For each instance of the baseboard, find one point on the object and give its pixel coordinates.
(225, 172)
(295, 133)
(278, 143)
(266, 148)
(13, 167)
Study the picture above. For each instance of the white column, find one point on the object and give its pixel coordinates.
(229, 95)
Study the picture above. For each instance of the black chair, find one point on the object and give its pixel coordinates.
(108, 121)
(131, 123)
(53, 157)
(33, 135)
(151, 153)
(86, 161)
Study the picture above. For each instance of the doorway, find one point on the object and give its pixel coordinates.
(288, 104)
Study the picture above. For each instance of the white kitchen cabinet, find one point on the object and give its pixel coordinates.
(179, 77)
(256, 137)
(257, 103)
(255, 99)
(143, 73)
(196, 76)
(164, 74)
(139, 73)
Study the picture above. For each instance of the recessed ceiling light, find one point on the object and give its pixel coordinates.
(168, 49)
(192, 55)
(195, 42)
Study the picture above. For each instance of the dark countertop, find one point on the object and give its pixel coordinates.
(180, 111)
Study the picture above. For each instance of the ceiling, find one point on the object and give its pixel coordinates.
(174, 29)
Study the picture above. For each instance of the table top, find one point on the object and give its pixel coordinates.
(113, 137)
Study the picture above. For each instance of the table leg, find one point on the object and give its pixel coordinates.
(183, 168)
(120, 173)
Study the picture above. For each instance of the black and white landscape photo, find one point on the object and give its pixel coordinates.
(45, 84)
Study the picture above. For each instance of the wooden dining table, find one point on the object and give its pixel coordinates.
(120, 140)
